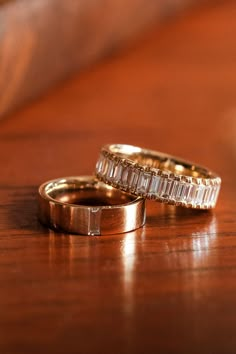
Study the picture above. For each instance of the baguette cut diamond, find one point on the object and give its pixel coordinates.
(180, 192)
(154, 185)
(143, 182)
(173, 190)
(104, 167)
(110, 170)
(124, 177)
(162, 187)
(117, 173)
(206, 195)
(191, 194)
(99, 164)
(94, 221)
(168, 189)
(216, 194)
(213, 196)
(186, 193)
(133, 177)
(199, 195)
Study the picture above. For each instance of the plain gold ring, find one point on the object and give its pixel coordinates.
(83, 205)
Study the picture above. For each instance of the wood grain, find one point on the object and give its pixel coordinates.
(167, 288)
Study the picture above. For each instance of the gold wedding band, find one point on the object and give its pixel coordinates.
(158, 176)
(83, 205)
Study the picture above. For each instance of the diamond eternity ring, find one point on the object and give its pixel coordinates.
(158, 176)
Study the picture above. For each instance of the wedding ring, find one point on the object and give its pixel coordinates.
(158, 176)
(83, 205)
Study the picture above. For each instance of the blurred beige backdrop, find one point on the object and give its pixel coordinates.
(44, 41)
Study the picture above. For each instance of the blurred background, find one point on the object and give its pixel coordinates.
(44, 41)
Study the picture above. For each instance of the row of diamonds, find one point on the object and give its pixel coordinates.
(131, 178)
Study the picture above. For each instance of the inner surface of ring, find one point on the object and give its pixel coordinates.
(158, 160)
(88, 195)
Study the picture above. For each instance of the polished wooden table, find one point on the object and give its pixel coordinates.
(169, 287)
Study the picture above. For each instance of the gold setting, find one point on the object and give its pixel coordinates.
(198, 189)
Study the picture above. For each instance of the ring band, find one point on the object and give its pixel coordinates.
(158, 176)
(83, 205)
